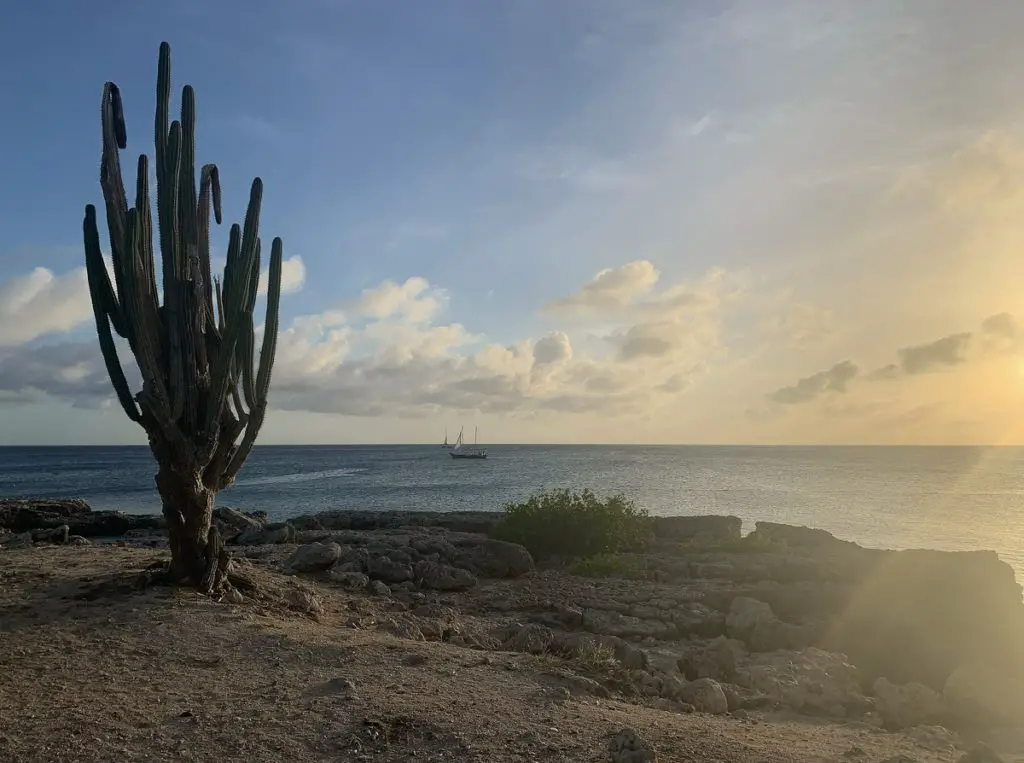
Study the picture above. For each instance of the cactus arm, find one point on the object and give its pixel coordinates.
(247, 347)
(209, 189)
(115, 201)
(270, 325)
(193, 347)
(258, 411)
(146, 221)
(164, 188)
(238, 281)
(102, 301)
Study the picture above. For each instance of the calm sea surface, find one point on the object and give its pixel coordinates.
(946, 498)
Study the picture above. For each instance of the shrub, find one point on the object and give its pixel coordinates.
(625, 566)
(570, 523)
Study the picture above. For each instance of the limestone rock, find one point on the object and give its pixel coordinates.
(231, 523)
(717, 660)
(403, 626)
(21, 540)
(499, 559)
(700, 529)
(428, 545)
(387, 570)
(797, 535)
(313, 557)
(355, 581)
(21, 515)
(813, 680)
(530, 638)
(980, 753)
(769, 635)
(910, 704)
(745, 614)
(443, 577)
(706, 695)
(615, 624)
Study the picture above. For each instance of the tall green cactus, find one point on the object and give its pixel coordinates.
(201, 386)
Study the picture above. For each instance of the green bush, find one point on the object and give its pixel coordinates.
(626, 566)
(570, 523)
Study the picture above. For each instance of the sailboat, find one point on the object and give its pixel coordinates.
(445, 444)
(472, 451)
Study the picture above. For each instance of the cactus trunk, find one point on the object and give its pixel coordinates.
(204, 391)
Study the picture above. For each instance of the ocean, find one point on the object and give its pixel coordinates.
(948, 498)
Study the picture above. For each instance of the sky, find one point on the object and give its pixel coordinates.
(590, 221)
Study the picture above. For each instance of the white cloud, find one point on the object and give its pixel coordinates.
(293, 276)
(412, 302)
(387, 352)
(41, 303)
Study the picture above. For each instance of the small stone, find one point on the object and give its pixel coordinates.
(627, 747)
(304, 601)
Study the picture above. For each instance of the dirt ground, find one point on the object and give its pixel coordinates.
(92, 669)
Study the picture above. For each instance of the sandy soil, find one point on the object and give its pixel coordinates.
(93, 670)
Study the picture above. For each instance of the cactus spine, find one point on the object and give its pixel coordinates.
(202, 387)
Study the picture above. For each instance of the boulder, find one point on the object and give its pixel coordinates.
(797, 535)
(343, 519)
(387, 570)
(497, 559)
(313, 557)
(266, 535)
(915, 616)
(706, 695)
(615, 624)
(980, 693)
(443, 577)
(14, 541)
(231, 523)
(355, 581)
(903, 706)
(55, 535)
(769, 635)
(21, 515)
(530, 638)
(981, 753)
(709, 528)
(744, 615)
(718, 659)
(812, 681)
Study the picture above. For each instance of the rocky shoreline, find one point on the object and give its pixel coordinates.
(702, 621)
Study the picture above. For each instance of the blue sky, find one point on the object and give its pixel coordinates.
(770, 190)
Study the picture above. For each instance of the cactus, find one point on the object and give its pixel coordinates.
(202, 386)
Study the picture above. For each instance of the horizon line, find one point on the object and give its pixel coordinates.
(551, 445)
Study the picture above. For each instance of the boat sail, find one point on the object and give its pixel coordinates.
(446, 444)
(471, 451)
